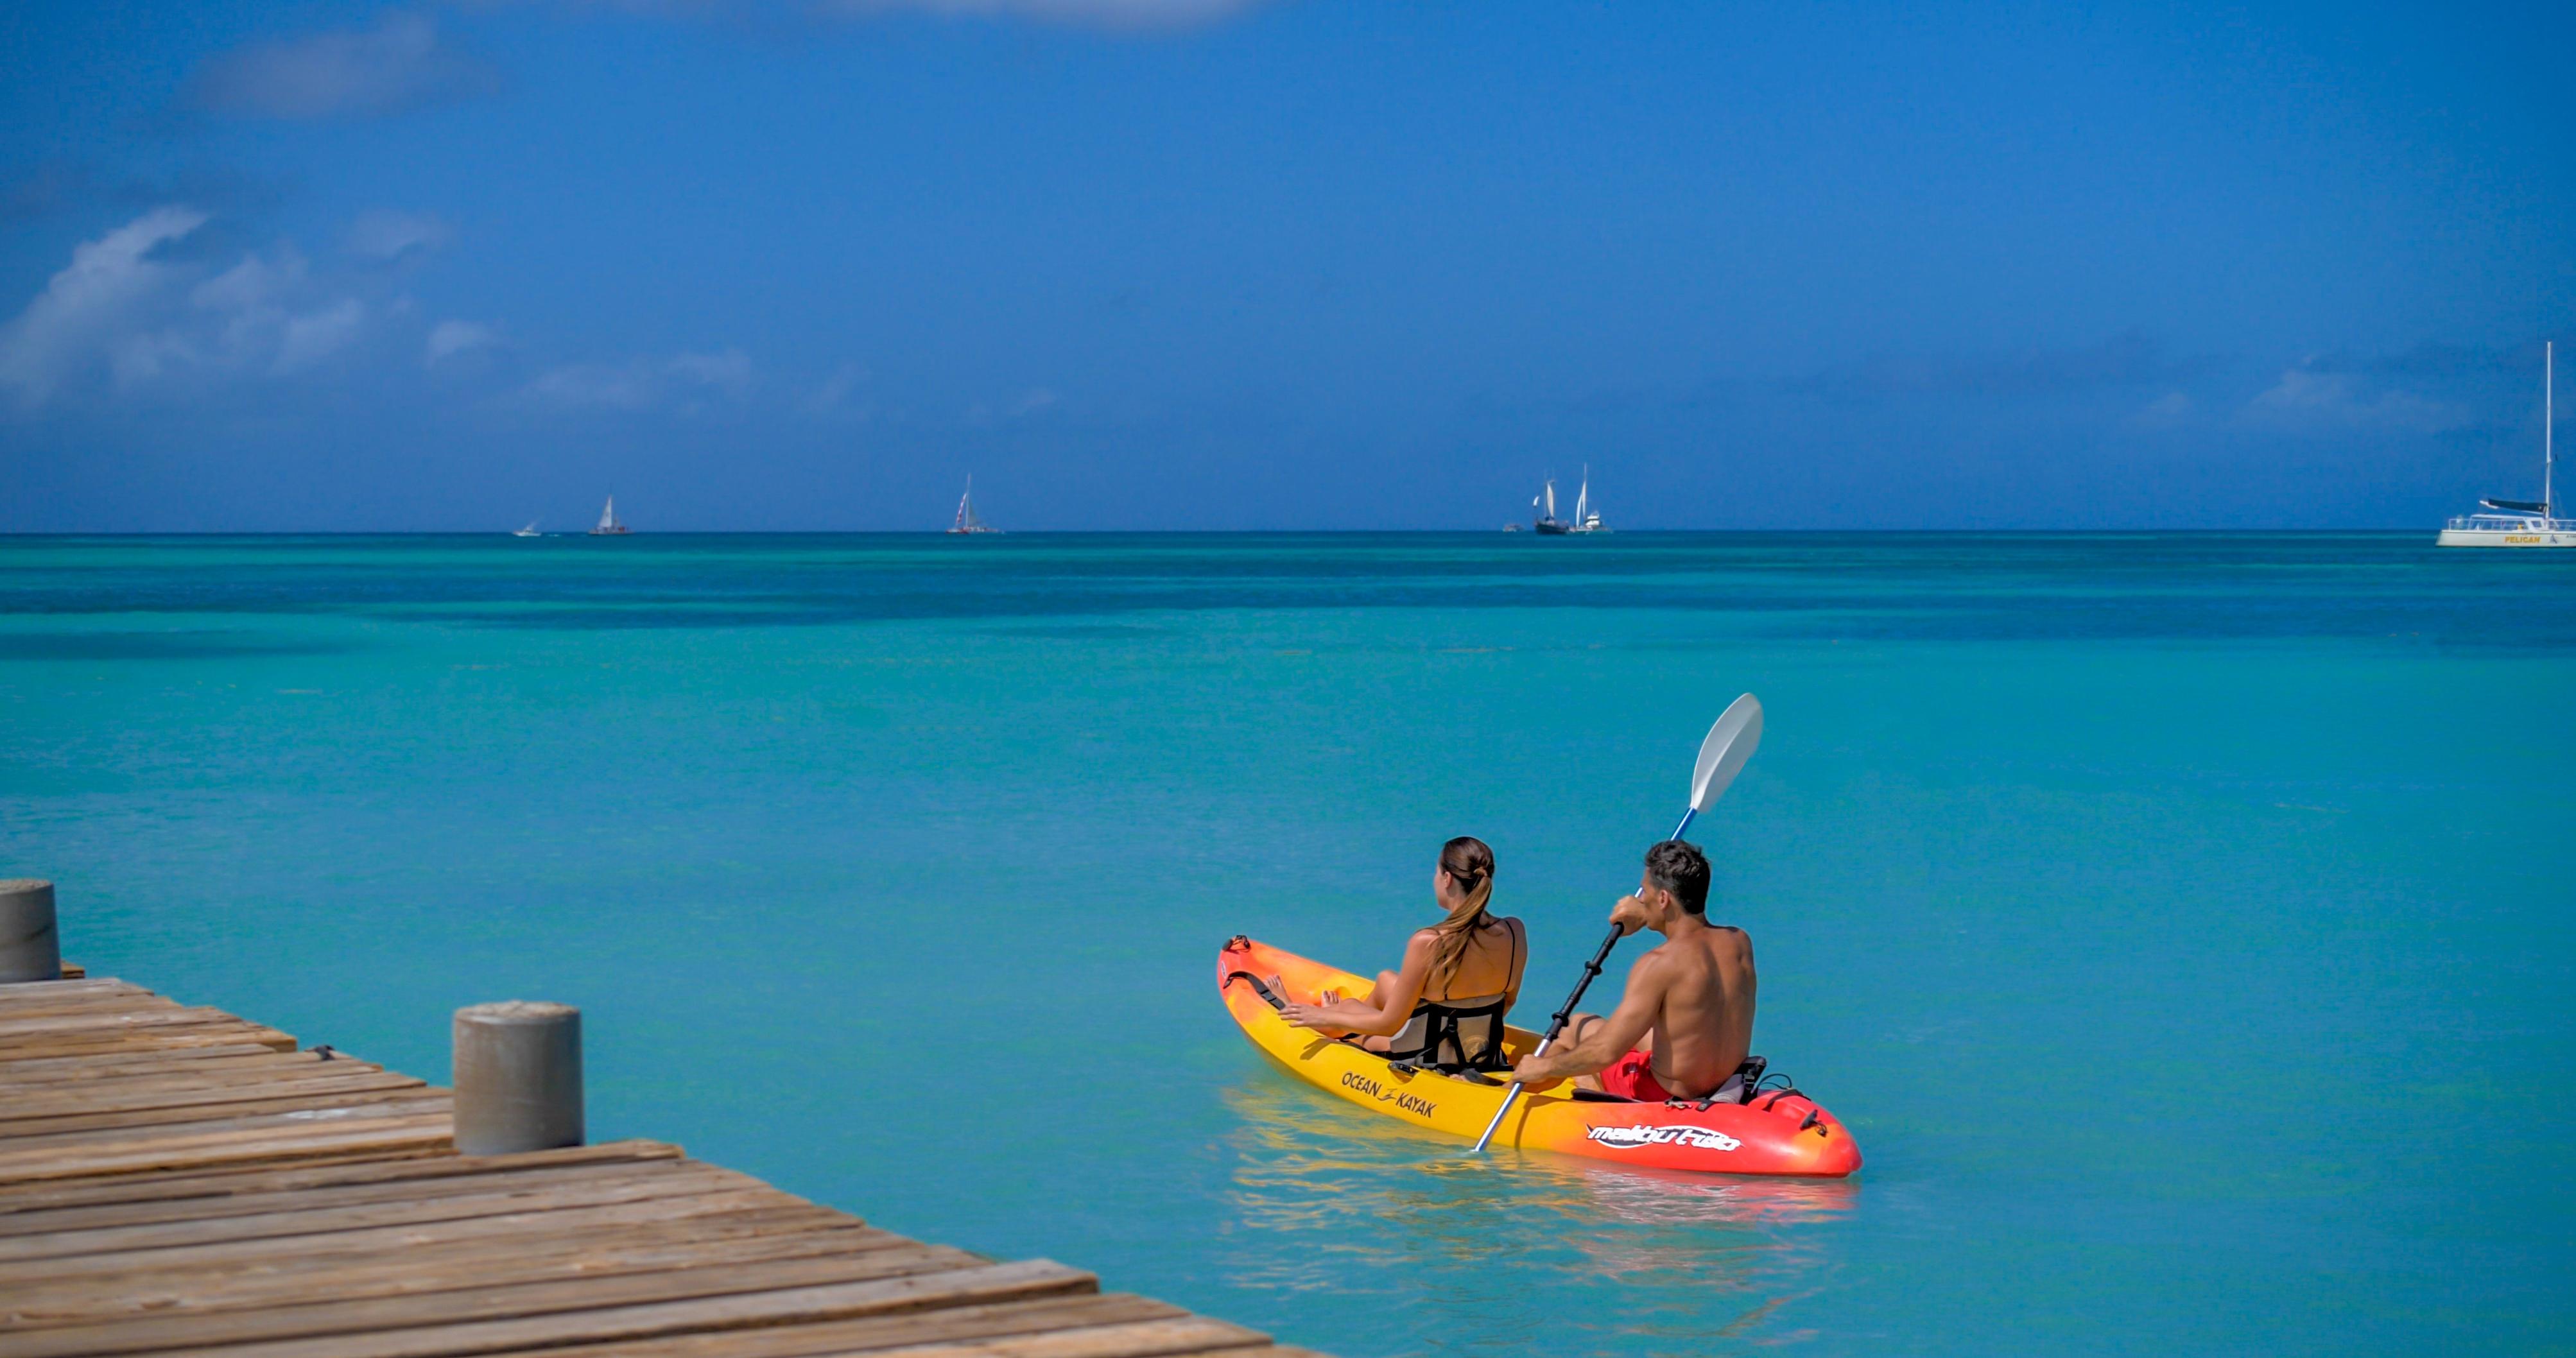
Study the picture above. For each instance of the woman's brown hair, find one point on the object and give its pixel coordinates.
(1471, 865)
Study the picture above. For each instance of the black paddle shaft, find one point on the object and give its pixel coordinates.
(1590, 970)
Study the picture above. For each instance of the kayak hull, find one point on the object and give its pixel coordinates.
(1780, 1133)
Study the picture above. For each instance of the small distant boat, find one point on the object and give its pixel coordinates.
(528, 532)
(966, 520)
(608, 527)
(2522, 523)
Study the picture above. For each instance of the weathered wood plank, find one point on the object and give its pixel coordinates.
(231, 1180)
(984, 1283)
(872, 1334)
(191, 1198)
(413, 1236)
(356, 1322)
(37, 992)
(345, 1111)
(112, 1105)
(303, 1218)
(701, 1242)
(251, 1146)
(220, 1058)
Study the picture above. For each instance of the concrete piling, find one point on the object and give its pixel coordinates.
(518, 1077)
(30, 950)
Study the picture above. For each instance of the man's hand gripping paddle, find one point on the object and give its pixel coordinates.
(1730, 742)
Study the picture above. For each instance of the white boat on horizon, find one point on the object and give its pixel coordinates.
(966, 520)
(608, 527)
(2522, 523)
(1586, 519)
(528, 532)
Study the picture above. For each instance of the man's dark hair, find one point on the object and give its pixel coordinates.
(1682, 870)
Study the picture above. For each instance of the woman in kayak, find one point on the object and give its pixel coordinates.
(1444, 1006)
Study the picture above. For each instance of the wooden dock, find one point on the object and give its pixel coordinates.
(175, 1178)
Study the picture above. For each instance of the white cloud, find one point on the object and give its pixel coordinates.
(388, 237)
(2307, 399)
(644, 383)
(835, 389)
(81, 315)
(728, 372)
(448, 339)
(1121, 14)
(597, 386)
(316, 335)
(398, 65)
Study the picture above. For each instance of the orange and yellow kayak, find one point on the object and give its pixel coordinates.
(1779, 1132)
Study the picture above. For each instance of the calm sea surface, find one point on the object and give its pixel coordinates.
(2184, 924)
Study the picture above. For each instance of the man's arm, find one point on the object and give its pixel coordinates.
(1608, 1040)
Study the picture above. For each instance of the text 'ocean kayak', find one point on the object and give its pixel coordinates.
(1779, 1132)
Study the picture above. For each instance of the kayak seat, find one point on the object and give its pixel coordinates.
(1438, 1036)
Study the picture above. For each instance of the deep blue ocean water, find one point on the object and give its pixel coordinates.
(2182, 922)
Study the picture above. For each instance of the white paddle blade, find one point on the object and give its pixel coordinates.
(1730, 742)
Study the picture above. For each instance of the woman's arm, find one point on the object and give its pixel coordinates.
(1386, 1010)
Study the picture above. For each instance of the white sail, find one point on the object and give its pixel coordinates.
(1551, 499)
(1583, 496)
(608, 514)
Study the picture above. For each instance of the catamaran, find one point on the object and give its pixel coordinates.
(1586, 518)
(966, 520)
(2523, 523)
(609, 527)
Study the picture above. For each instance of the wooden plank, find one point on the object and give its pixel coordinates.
(184, 1070)
(300, 1217)
(54, 1112)
(703, 1242)
(875, 1333)
(232, 1180)
(256, 1145)
(389, 1265)
(34, 992)
(199, 1105)
(957, 1287)
(192, 1199)
(208, 1060)
(354, 1321)
(354, 1240)
(69, 999)
(103, 1043)
(1137, 1339)
(352, 1109)
(119, 1018)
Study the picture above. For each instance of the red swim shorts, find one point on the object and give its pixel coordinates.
(1633, 1077)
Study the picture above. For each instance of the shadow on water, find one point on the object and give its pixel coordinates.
(1449, 1241)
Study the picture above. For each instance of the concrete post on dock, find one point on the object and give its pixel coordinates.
(30, 950)
(518, 1077)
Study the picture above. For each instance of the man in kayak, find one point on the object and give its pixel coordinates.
(1686, 1023)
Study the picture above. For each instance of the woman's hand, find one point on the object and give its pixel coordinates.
(1305, 1015)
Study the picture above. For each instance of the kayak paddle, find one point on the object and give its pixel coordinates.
(1721, 756)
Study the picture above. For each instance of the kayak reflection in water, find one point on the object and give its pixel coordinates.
(1444, 1006)
(1686, 1023)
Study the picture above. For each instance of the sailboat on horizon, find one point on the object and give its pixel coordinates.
(1586, 519)
(608, 527)
(967, 522)
(2523, 523)
(528, 532)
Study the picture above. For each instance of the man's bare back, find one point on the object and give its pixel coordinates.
(1689, 1003)
(1702, 981)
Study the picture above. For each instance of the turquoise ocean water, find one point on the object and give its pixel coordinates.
(2182, 923)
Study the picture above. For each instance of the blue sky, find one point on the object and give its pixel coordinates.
(1222, 264)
